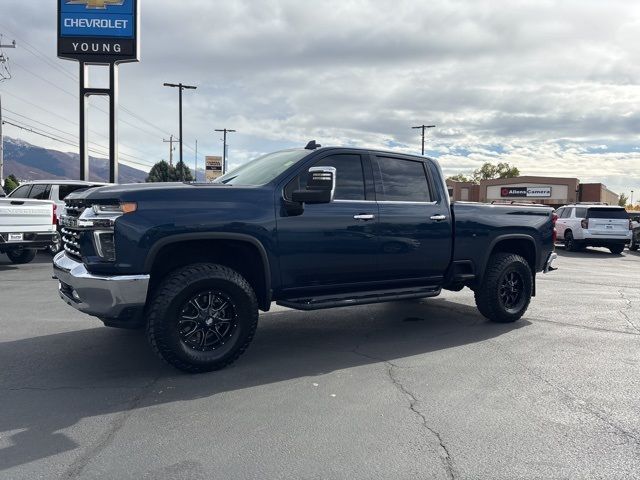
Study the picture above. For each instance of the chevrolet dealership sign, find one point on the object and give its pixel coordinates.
(98, 31)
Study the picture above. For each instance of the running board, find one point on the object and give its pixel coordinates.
(359, 298)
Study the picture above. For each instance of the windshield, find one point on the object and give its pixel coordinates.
(263, 169)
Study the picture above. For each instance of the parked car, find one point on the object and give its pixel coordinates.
(26, 226)
(310, 229)
(56, 191)
(593, 225)
(635, 232)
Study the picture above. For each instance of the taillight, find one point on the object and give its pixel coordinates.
(554, 220)
(54, 220)
(585, 223)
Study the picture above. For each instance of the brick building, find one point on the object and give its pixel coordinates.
(552, 191)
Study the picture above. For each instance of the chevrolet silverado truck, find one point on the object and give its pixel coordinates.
(309, 229)
(26, 226)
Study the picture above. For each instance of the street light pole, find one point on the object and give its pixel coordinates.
(224, 147)
(423, 128)
(180, 87)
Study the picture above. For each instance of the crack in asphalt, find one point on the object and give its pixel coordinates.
(624, 314)
(576, 403)
(77, 467)
(443, 453)
(582, 327)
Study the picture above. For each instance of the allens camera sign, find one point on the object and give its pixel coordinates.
(98, 31)
(525, 192)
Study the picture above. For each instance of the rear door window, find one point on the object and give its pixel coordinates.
(581, 212)
(609, 213)
(401, 180)
(40, 192)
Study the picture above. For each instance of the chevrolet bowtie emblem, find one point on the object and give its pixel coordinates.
(95, 4)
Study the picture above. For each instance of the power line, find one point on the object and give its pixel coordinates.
(67, 142)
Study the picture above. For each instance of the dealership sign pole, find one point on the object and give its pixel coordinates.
(99, 32)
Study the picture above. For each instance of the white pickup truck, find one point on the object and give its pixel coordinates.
(26, 226)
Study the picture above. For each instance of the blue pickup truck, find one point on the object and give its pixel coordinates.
(309, 229)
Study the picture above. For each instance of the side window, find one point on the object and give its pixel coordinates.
(559, 212)
(21, 192)
(66, 190)
(349, 177)
(566, 213)
(581, 212)
(40, 192)
(401, 180)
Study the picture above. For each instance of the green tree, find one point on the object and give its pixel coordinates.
(489, 171)
(183, 173)
(10, 184)
(624, 199)
(460, 178)
(161, 172)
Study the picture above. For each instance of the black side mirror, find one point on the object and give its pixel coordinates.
(321, 185)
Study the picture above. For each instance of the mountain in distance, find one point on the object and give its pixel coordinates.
(30, 162)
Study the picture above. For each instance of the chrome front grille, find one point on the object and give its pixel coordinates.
(71, 242)
(74, 208)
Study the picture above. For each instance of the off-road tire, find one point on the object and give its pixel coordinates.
(20, 256)
(164, 310)
(616, 249)
(487, 296)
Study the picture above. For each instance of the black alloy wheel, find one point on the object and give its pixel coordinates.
(511, 291)
(207, 321)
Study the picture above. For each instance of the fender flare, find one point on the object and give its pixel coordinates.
(509, 236)
(185, 237)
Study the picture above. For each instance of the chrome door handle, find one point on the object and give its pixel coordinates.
(438, 218)
(364, 216)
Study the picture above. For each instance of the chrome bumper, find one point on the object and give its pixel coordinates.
(101, 296)
(548, 266)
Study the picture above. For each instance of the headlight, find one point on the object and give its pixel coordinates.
(121, 208)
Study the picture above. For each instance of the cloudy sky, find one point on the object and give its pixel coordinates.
(552, 87)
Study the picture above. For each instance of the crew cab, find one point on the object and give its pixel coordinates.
(309, 228)
(26, 226)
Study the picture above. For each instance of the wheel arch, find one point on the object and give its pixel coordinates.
(241, 252)
(520, 244)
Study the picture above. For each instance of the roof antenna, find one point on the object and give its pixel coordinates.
(312, 145)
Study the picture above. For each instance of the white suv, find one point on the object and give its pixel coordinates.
(593, 225)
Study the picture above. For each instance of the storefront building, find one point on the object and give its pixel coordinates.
(552, 191)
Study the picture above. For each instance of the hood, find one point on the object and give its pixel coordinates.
(167, 192)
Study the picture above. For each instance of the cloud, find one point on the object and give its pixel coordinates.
(541, 84)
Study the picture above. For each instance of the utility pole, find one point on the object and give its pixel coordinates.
(195, 172)
(224, 147)
(180, 88)
(3, 63)
(170, 142)
(423, 128)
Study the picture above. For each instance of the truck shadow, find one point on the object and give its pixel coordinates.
(589, 253)
(54, 382)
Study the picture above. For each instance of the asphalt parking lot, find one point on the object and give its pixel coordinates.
(395, 391)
